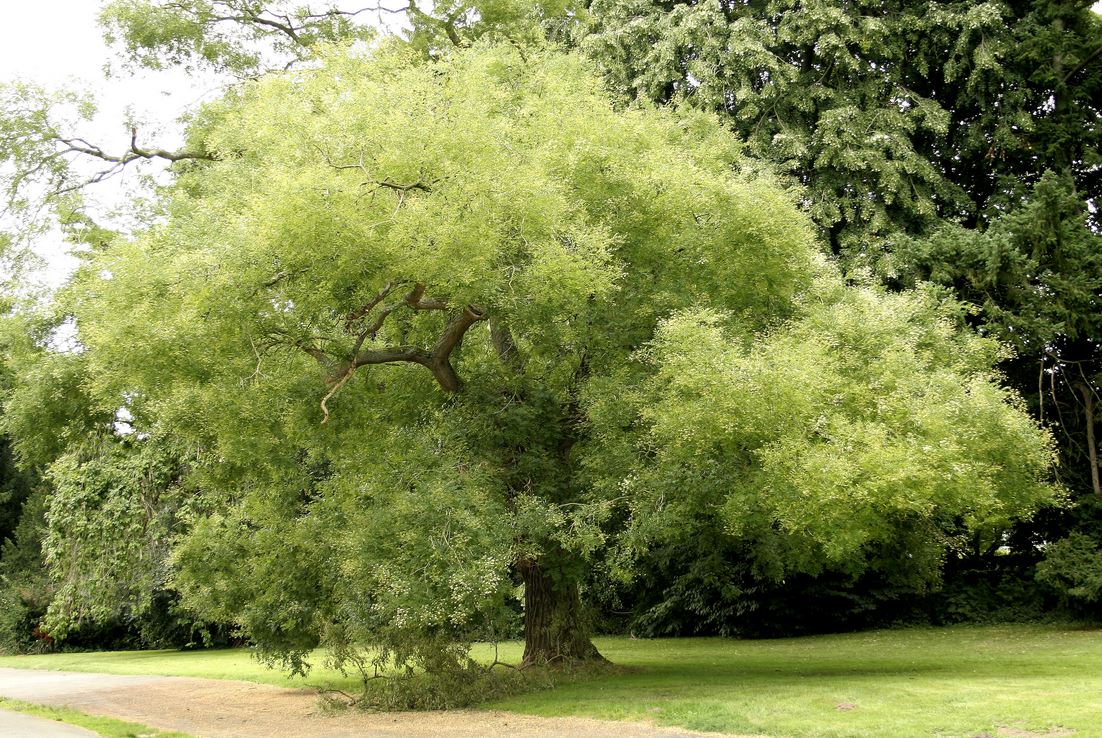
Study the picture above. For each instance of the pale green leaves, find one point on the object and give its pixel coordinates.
(867, 412)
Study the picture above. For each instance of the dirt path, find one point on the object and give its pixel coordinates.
(208, 708)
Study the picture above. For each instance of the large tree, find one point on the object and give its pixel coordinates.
(426, 330)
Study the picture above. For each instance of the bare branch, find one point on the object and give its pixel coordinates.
(81, 146)
(285, 28)
(349, 13)
(172, 156)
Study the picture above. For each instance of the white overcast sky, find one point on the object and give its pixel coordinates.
(57, 43)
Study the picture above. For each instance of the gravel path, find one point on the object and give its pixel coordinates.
(209, 708)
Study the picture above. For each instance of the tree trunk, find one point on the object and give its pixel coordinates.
(555, 627)
(1092, 445)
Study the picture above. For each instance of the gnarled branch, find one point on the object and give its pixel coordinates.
(436, 359)
(454, 331)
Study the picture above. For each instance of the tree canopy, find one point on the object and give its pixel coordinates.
(422, 331)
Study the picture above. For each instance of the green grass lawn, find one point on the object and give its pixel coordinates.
(961, 681)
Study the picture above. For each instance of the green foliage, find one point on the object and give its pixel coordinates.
(1035, 278)
(48, 410)
(15, 622)
(1036, 272)
(16, 485)
(893, 115)
(988, 596)
(25, 588)
(420, 326)
(1058, 56)
(111, 517)
(1073, 568)
(403, 514)
(822, 91)
(38, 176)
(868, 415)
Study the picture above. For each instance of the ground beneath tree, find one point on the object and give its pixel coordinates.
(210, 708)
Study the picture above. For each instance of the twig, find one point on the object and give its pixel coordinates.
(336, 388)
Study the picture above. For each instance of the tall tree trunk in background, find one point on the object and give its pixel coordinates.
(1092, 446)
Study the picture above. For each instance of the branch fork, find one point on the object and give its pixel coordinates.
(436, 359)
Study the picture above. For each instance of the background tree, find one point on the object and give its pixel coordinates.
(24, 587)
(87, 561)
(247, 37)
(894, 116)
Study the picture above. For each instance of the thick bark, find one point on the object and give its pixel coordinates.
(555, 628)
(440, 364)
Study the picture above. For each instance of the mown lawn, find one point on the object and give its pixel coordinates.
(1018, 681)
(928, 682)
